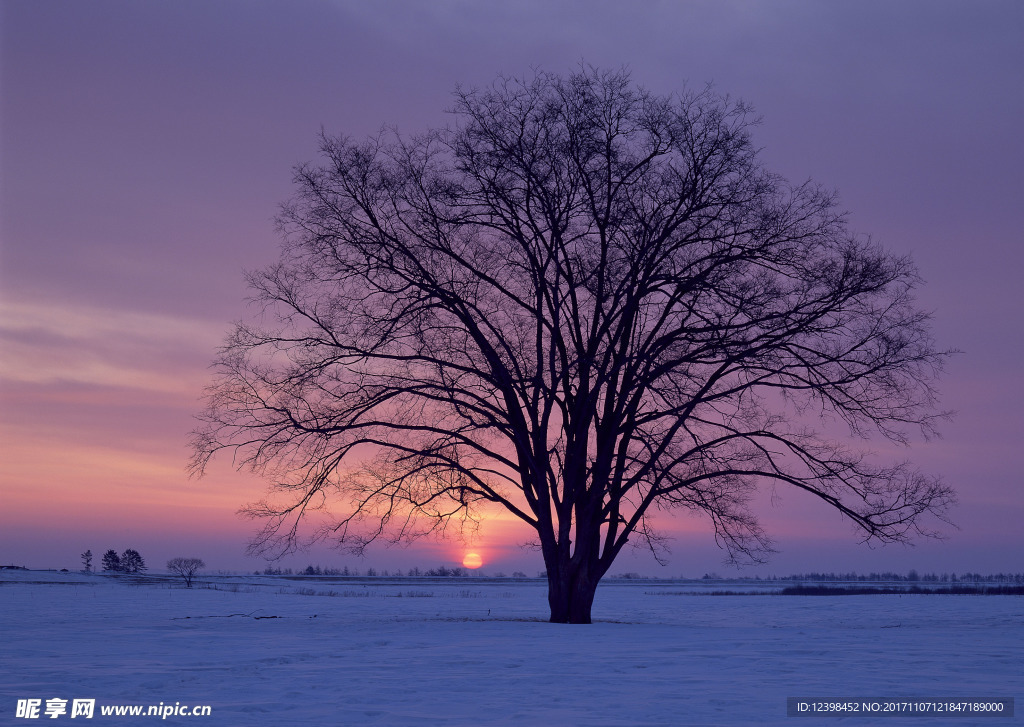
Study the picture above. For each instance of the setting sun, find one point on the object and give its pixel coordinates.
(472, 560)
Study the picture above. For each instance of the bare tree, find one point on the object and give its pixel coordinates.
(583, 303)
(186, 568)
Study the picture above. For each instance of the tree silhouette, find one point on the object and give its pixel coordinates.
(112, 561)
(132, 562)
(583, 303)
(186, 568)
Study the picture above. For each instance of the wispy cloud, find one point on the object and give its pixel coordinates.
(45, 343)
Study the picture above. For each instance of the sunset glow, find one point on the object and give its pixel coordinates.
(144, 160)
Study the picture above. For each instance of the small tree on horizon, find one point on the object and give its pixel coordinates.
(132, 562)
(582, 303)
(186, 568)
(111, 561)
(87, 561)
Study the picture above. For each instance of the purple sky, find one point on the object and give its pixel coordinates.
(145, 147)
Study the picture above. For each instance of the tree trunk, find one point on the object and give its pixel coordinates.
(571, 594)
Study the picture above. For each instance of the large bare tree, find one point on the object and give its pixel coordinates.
(584, 303)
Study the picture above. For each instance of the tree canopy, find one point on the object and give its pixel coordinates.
(584, 303)
(186, 568)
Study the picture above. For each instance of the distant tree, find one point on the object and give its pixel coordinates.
(443, 571)
(132, 562)
(583, 303)
(112, 561)
(87, 561)
(186, 568)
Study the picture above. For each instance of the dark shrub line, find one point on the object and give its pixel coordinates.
(868, 590)
(857, 591)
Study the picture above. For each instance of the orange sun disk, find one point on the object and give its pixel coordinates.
(472, 560)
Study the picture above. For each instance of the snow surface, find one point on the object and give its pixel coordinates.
(474, 651)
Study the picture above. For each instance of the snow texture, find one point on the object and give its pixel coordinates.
(266, 650)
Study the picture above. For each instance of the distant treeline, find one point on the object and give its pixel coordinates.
(852, 577)
(971, 590)
(911, 577)
(439, 572)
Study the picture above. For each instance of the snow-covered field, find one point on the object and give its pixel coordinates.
(263, 650)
